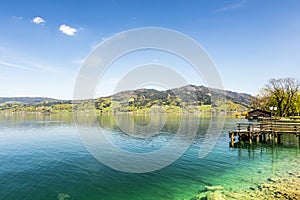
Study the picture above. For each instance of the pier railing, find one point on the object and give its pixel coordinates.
(264, 131)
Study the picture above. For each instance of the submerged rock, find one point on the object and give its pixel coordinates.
(213, 188)
(273, 179)
(216, 195)
(201, 196)
(285, 186)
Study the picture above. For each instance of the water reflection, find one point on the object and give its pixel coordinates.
(146, 124)
(137, 124)
(287, 141)
(257, 150)
(34, 120)
(118, 142)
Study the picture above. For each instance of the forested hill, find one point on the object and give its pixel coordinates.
(188, 94)
(186, 97)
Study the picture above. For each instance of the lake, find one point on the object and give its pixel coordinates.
(43, 157)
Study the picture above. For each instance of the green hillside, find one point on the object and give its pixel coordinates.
(188, 98)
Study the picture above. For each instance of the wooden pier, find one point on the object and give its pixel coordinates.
(265, 131)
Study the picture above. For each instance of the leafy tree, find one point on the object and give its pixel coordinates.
(282, 93)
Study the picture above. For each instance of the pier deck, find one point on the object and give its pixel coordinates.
(264, 131)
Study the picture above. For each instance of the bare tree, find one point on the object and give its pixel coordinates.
(260, 101)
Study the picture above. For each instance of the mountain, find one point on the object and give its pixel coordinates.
(25, 100)
(190, 94)
(189, 98)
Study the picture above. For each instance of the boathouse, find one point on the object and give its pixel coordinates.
(258, 114)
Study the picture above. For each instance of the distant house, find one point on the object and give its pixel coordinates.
(258, 114)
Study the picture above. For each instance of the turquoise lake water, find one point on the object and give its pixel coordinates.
(42, 157)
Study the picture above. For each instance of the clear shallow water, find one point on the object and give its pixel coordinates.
(42, 157)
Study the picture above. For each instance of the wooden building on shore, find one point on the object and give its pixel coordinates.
(258, 114)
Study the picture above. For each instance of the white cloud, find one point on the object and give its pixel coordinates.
(78, 61)
(67, 30)
(17, 18)
(38, 20)
(17, 60)
(15, 65)
(234, 6)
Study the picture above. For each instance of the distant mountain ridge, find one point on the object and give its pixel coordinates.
(26, 100)
(189, 97)
(188, 93)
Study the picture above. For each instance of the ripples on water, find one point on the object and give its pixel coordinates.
(42, 157)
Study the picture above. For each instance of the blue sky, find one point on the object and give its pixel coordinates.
(43, 43)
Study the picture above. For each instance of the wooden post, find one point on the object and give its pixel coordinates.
(279, 139)
(232, 137)
(257, 138)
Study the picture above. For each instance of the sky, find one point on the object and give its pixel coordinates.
(43, 44)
